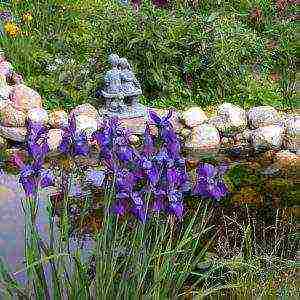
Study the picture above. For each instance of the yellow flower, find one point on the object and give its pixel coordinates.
(12, 29)
(27, 17)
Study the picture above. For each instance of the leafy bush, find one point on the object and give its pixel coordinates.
(202, 52)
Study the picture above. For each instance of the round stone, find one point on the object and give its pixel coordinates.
(38, 115)
(17, 134)
(287, 160)
(267, 137)
(24, 98)
(205, 139)
(85, 109)
(54, 139)
(87, 124)
(193, 117)
(58, 119)
(235, 117)
(10, 116)
(263, 116)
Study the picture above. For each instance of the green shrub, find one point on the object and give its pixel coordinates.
(204, 53)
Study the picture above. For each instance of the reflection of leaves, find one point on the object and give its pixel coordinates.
(240, 176)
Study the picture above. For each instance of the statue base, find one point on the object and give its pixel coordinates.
(133, 117)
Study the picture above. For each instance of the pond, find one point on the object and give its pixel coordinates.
(12, 223)
(12, 220)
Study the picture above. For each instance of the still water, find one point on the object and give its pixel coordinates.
(12, 220)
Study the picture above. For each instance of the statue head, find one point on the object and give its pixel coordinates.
(124, 64)
(114, 59)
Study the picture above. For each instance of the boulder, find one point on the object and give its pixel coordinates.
(86, 123)
(267, 137)
(17, 134)
(5, 89)
(193, 117)
(263, 116)
(54, 139)
(10, 116)
(287, 160)
(24, 98)
(234, 117)
(205, 139)
(58, 119)
(85, 109)
(38, 115)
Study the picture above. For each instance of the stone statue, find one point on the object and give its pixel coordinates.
(122, 90)
(130, 86)
(113, 90)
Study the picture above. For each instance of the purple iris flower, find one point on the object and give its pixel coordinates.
(176, 208)
(120, 207)
(160, 121)
(74, 143)
(32, 176)
(46, 178)
(148, 148)
(210, 183)
(140, 212)
(95, 177)
(28, 180)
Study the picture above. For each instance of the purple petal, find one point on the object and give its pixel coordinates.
(27, 179)
(158, 205)
(137, 199)
(154, 117)
(206, 170)
(47, 178)
(120, 208)
(153, 175)
(176, 208)
(95, 177)
(125, 153)
(140, 213)
(81, 146)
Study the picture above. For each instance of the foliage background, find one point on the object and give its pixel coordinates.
(190, 52)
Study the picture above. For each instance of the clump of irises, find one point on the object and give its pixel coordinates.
(33, 175)
(149, 179)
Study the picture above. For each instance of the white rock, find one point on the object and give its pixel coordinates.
(85, 109)
(58, 119)
(193, 117)
(38, 115)
(10, 116)
(263, 116)
(5, 89)
(86, 124)
(54, 139)
(17, 134)
(205, 139)
(234, 116)
(267, 137)
(292, 124)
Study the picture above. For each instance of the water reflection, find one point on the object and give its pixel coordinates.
(12, 220)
